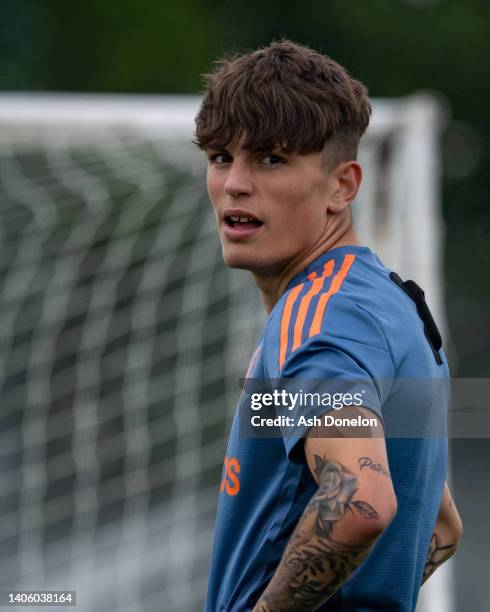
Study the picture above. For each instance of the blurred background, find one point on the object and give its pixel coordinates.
(107, 442)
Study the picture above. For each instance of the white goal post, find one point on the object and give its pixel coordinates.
(123, 335)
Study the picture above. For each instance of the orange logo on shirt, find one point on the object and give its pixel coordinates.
(230, 482)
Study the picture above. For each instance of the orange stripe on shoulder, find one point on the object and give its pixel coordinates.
(335, 286)
(286, 318)
(316, 286)
(328, 267)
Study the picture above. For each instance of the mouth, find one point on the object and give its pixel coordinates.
(240, 224)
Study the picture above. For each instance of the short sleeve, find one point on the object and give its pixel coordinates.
(349, 356)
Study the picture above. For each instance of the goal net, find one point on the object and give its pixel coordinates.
(123, 335)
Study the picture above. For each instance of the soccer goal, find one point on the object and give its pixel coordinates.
(124, 336)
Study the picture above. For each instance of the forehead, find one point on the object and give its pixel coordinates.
(236, 149)
(243, 145)
(243, 140)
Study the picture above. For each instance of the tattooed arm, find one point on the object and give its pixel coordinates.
(351, 508)
(447, 534)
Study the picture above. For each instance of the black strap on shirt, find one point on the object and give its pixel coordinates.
(416, 294)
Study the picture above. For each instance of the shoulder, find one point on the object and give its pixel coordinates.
(320, 310)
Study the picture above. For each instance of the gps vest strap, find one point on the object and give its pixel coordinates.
(416, 294)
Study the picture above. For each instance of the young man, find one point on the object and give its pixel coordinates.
(316, 520)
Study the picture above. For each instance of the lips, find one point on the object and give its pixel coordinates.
(240, 223)
(239, 215)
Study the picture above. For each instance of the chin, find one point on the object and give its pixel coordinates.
(239, 262)
(240, 259)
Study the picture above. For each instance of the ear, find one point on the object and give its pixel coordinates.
(347, 178)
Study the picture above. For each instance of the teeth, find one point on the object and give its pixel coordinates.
(237, 219)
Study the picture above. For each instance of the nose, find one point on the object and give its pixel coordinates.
(238, 181)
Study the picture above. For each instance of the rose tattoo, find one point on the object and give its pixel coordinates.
(337, 486)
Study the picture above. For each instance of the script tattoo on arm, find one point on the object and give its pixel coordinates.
(368, 463)
(438, 553)
(315, 564)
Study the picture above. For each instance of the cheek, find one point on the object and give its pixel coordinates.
(303, 208)
(214, 188)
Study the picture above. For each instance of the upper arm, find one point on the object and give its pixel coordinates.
(364, 467)
(348, 355)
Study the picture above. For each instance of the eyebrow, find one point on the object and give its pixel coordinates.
(251, 151)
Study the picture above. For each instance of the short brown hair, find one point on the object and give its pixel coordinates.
(285, 95)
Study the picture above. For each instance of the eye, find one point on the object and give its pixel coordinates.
(219, 158)
(271, 160)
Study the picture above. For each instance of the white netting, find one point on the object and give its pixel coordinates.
(123, 337)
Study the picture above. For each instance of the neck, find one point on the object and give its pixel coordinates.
(339, 232)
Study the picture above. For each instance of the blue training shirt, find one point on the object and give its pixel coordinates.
(342, 317)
